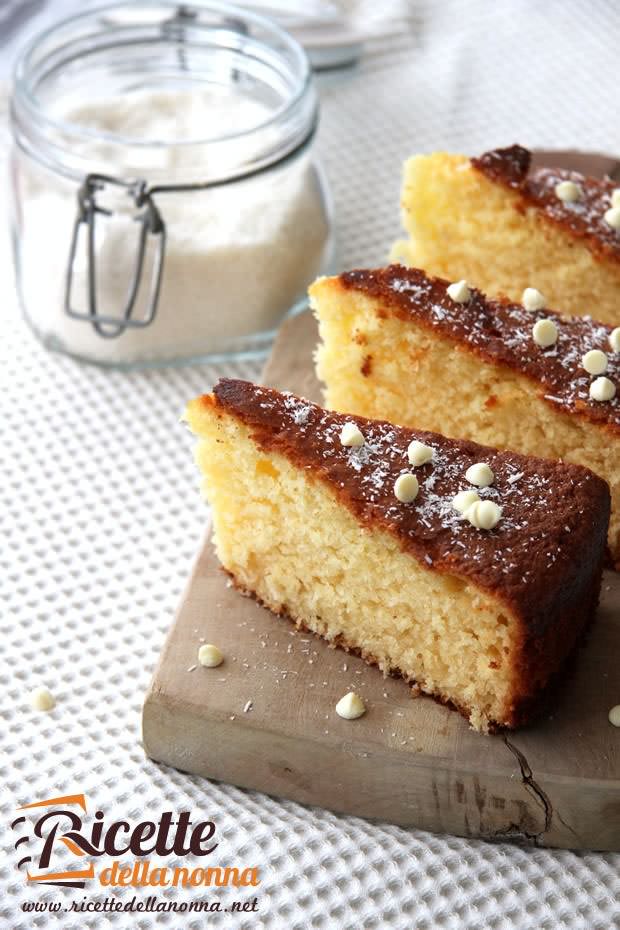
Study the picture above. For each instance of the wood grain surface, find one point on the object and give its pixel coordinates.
(266, 718)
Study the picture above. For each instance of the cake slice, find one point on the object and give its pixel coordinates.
(312, 515)
(396, 345)
(504, 227)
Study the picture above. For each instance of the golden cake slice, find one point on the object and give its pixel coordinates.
(313, 513)
(395, 344)
(504, 227)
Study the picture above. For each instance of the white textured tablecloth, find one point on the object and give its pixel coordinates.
(101, 519)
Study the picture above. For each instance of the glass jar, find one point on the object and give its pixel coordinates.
(166, 203)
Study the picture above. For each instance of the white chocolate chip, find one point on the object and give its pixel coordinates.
(532, 299)
(351, 435)
(351, 706)
(614, 339)
(463, 500)
(614, 716)
(602, 389)
(406, 488)
(612, 217)
(484, 515)
(544, 333)
(459, 292)
(480, 474)
(615, 197)
(418, 453)
(210, 656)
(594, 362)
(568, 191)
(42, 699)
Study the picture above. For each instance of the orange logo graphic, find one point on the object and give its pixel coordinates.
(59, 812)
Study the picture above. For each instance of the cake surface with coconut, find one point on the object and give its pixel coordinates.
(505, 226)
(360, 532)
(396, 344)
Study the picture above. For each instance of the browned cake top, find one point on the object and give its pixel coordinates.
(501, 332)
(554, 516)
(583, 219)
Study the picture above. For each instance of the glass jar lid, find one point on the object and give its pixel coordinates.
(85, 96)
(127, 49)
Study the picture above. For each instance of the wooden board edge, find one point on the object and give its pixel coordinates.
(349, 782)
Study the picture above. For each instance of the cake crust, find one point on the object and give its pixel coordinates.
(500, 331)
(555, 515)
(582, 219)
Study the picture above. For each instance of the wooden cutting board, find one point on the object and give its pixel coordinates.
(265, 719)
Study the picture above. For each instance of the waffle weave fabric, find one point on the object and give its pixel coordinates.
(101, 517)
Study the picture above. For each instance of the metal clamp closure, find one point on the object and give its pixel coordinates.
(152, 231)
(152, 227)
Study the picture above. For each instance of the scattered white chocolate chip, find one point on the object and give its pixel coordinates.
(351, 435)
(406, 488)
(480, 474)
(351, 706)
(532, 299)
(594, 362)
(615, 197)
(42, 699)
(614, 339)
(418, 453)
(614, 716)
(602, 389)
(210, 656)
(484, 515)
(568, 191)
(459, 292)
(463, 500)
(612, 217)
(544, 333)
